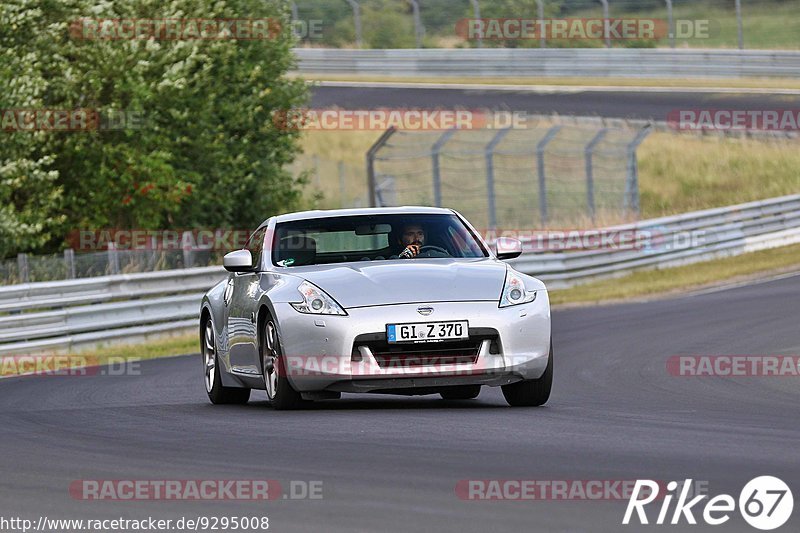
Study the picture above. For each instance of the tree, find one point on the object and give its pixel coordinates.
(198, 146)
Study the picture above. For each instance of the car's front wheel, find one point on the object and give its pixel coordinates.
(216, 392)
(279, 391)
(531, 392)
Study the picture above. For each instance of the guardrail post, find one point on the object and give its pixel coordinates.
(740, 31)
(671, 23)
(22, 266)
(69, 262)
(419, 31)
(371, 153)
(542, 36)
(476, 12)
(437, 177)
(631, 201)
(588, 153)
(606, 24)
(540, 171)
(113, 258)
(490, 196)
(188, 252)
(342, 192)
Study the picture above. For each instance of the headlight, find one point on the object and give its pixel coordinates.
(514, 292)
(316, 301)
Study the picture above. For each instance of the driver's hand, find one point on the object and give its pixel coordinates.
(412, 250)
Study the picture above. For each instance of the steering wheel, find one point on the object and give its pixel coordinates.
(431, 248)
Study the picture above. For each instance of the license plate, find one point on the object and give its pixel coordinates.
(427, 331)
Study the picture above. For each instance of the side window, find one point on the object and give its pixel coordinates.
(256, 245)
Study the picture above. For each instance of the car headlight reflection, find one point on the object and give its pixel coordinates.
(514, 291)
(316, 301)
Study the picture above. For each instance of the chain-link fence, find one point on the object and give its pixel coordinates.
(71, 265)
(753, 24)
(544, 176)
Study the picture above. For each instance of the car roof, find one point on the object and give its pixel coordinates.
(329, 213)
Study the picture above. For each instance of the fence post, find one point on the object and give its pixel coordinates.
(542, 37)
(419, 31)
(380, 143)
(356, 20)
(588, 153)
(540, 168)
(671, 22)
(69, 262)
(437, 177)
(740, 31)
(631, 201)
(22, 266)
(187, 241)
(113, 258)
(606, 24)
(476, 12)
(341, 183)
(490, 176)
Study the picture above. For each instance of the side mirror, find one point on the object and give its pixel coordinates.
(238, 261)
(507, 248)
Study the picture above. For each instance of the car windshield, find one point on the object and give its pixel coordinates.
(323, 241)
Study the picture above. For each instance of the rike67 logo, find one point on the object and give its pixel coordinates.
(765, 503)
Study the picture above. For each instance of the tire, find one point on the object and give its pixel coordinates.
(280, 392)
(531, 392)
(461, 392)
(213, 381)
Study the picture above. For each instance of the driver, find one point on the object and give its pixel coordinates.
(412, 238)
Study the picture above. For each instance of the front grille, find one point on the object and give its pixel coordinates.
(424, 353)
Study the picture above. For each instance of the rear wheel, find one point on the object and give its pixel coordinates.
(531, 392)
(279, 391)
(461, 392)
(216, 392)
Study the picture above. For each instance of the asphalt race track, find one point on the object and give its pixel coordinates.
(646, 105)
(392, 464)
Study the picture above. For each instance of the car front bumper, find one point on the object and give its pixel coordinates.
(324, 352)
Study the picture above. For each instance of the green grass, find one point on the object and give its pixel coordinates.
(651, 283)
(766, 25)
(680, 173)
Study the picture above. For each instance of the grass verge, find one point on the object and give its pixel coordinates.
(117, 355)
(652, 283)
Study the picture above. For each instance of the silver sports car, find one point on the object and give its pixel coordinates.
(401, 300)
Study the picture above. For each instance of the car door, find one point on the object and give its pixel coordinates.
(242, 332)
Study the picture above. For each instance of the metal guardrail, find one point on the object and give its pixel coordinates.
(64, 314)
(552, 62)
(57, 315)
(718, 232)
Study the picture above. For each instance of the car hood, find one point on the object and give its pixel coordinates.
(417, 280)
